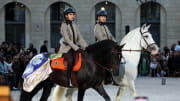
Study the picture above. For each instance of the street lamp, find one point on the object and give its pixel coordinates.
(17, 4)
(106, 2)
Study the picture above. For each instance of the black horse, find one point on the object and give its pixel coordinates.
(96, 60)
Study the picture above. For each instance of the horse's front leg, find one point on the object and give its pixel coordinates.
(81, 93)
(46, 91)
(69, 93)
(132, 88)
(100, 89)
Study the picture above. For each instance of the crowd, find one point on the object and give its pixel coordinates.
(166, 62)
(13, 60)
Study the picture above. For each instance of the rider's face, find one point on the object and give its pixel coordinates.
(70, 16)
(102, 18)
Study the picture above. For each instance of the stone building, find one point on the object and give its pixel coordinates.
(33, 21)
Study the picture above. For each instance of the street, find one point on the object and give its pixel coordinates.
(145, 86)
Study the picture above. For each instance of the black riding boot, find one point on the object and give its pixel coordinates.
(69, 70)
(68, 56)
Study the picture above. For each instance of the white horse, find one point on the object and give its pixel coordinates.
(134, 41)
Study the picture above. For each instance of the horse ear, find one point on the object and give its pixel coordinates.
(122, 46)
(148, 26)
(143, 26)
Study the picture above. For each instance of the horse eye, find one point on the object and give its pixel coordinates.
(146, 36)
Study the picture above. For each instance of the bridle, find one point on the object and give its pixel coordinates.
(148, 45)
(142, 49)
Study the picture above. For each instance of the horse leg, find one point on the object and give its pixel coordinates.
(100, 89)
(25, 96)
(69, 93)
(46, 91)
(81, 93)
(58, 93)
(132, 88)
(120, 92)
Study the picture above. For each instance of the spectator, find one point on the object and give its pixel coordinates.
(173, 47)
(17, 69)
(12, 50)
(8, 63)
(176, 62)
(31, 50)
(4, 47)
(3, 70)
(177, 48)
(44, 47)
(155, 66)
(21, 49)
(166, 51)
(11, 74)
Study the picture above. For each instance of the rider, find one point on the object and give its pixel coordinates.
(102, 32)
(71, 35)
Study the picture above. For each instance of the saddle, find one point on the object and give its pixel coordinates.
(61, 63)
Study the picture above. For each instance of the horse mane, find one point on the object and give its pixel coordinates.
(101, 45)
(130, 36)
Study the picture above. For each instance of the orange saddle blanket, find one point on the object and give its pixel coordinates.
(60, 63)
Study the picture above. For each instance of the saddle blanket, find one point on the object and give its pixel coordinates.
(32, 80)
(60, 63)
(35, 63)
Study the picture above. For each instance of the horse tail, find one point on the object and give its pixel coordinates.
(58, 93)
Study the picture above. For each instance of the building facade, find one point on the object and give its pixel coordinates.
(33, 21)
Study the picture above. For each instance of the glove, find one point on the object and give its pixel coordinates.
(79, 50)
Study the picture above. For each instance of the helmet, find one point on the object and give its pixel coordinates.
(102, 13)
(68, 10)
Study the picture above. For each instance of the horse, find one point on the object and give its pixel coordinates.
(96, 60)
(136, 40)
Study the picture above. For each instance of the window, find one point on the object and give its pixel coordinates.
(150, 14)
(15, 23)
(57, 18)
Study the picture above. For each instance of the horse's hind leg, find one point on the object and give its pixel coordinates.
(69, 93)
(132, 88)
(58, 93)
(25, 96)
(100, 89)
(120, 92)
(46, 91)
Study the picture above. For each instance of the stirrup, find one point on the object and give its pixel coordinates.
(70, 84)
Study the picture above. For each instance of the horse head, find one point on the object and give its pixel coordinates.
(147, 41)
(107, 53)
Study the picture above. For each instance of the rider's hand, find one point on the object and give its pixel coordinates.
(79, 50)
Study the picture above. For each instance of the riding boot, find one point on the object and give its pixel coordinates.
(69, 82)
(69, 58)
